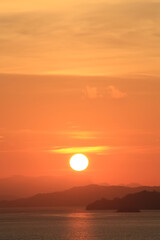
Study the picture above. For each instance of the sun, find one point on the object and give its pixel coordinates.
(79, 162)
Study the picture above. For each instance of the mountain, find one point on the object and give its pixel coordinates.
(15, 187)
(144, 200)
(131, 185)
(76, 196)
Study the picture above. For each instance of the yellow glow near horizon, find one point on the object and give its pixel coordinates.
(79, 162)
(72, 150)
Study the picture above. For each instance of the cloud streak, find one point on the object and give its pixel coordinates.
(81, 134)
(98, 92)
(115, 93)
(91, 92)
(72, 150)
(100, 39)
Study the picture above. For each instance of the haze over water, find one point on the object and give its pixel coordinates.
(77, 224)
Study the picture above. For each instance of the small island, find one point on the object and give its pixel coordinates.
(144, 200)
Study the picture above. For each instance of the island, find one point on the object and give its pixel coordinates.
(135, 202)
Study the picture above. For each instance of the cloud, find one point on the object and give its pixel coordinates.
(95, 92)
(101, 38)
(72, 150)
(115, 92)
(91, 92)
(138, 149)
(81, 134)
(73, 134)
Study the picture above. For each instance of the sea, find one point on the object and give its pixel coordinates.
(78, 224)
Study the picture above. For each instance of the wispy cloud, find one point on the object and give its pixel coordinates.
(91, 92)
(98, 36)
(138, 150)
(115, 92)
(105, 150)
(73, 134)
(81, 134)
(72, 150)
(99, 92)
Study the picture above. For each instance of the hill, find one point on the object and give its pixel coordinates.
(133, 202)
(77, 196)
(19, 186)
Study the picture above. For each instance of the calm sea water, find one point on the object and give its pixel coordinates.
(51, 224)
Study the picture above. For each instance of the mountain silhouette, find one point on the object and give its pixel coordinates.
(19, 186)
(76, 196)
(143, 200)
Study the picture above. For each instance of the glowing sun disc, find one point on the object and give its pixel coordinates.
(79, 162)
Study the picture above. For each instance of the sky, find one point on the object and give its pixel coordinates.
(80, 77)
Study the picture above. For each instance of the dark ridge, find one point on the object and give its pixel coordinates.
(135, 202)
(76, 196)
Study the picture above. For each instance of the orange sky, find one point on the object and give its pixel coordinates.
(80, 76)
